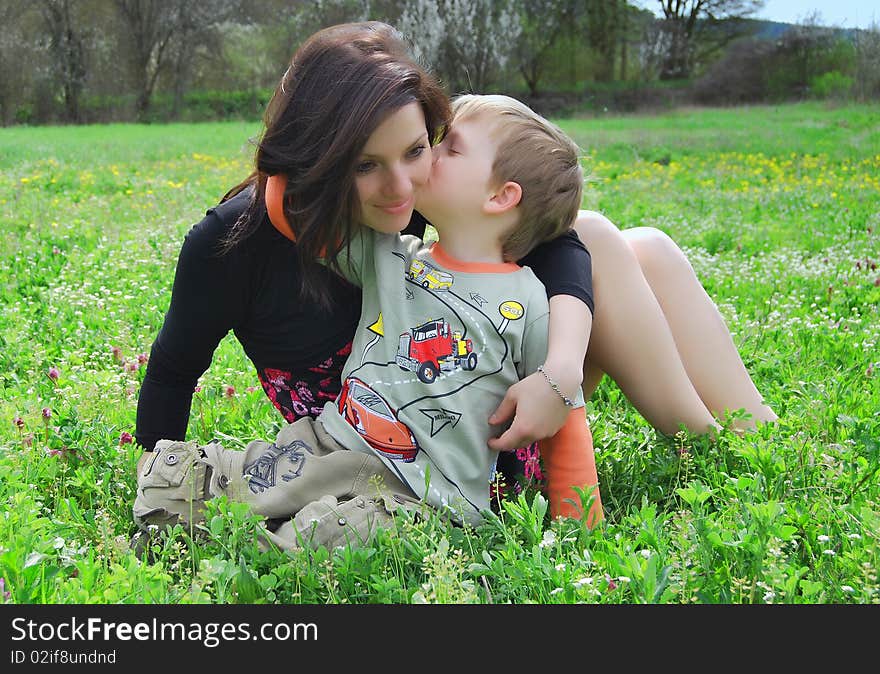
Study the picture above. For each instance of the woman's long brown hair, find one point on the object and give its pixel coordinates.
(342, 83)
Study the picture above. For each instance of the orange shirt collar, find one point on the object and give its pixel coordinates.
(454, 264)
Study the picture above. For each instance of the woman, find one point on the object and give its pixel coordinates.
(295, 319)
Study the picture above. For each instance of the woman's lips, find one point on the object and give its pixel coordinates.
(399, 207)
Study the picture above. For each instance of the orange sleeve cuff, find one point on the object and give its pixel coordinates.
(569, 461)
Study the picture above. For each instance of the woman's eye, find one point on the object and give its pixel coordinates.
(417, 151)
(365, 167)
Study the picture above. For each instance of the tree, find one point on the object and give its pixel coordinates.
(151, 25)
(198, 29)
(322, 13)
(605, 27)
(479, 40)
(68, 54)
(12, 73)
(867, 66)
(163, 32)
(422, 23)
(541, 22)
(693, 29)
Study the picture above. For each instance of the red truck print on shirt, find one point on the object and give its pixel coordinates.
(433, 347)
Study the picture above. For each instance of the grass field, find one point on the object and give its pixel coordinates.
(779, 211)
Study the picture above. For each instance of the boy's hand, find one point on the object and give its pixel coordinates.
(537, 411)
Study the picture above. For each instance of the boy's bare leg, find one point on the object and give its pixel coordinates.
(658, 334)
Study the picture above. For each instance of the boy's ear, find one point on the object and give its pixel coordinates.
(504, 198)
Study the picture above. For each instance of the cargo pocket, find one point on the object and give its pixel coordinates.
(329, 523)
(353, 522)
(172, 486)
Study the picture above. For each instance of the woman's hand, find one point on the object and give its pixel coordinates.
(537, 412)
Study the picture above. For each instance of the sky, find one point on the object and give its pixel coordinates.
(838, 13)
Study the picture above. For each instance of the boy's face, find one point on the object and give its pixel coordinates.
(461, 174)
(392, 168)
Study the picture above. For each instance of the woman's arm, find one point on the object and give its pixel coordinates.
(564, 267)
(202, 310)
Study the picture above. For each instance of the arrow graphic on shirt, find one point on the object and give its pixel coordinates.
(479, 299)
(440, 419)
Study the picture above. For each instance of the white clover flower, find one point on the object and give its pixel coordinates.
(823, 538)
(830, 553)
(854, 537)
(548, 539)
(847, 588)
(768, 597)
(560, 567)
(645, 553)
(555, 590)
(624, 579)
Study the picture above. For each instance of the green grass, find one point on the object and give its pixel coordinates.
(779, 211)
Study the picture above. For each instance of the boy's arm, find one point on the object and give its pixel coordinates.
(564, 266)
(536, 409)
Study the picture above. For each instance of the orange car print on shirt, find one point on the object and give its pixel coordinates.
(368, 413)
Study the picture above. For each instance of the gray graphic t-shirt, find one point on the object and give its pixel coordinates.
(438, 344)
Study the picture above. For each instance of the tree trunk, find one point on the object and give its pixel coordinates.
(622, 36)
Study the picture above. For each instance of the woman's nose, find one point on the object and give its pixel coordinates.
(398, 183)
(402, 180)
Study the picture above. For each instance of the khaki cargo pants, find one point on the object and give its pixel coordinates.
(310, 489)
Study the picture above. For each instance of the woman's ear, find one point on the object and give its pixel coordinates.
(504, 198)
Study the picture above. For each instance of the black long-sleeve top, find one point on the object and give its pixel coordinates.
(297, 348)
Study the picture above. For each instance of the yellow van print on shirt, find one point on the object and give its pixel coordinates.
(429, 277)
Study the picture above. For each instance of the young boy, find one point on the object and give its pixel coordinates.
(445, 329)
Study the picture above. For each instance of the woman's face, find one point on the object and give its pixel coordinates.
(393, 166)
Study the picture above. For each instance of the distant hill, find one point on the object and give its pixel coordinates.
(772, 30)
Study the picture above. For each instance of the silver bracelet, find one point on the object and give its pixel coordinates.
(568, 401)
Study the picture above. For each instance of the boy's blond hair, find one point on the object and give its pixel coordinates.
(540, 157)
